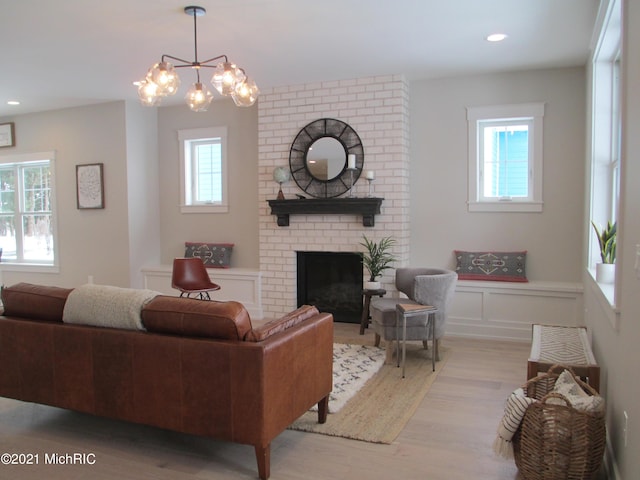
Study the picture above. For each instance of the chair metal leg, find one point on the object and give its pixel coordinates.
(404, 342)
(397, 340)
(432, 320)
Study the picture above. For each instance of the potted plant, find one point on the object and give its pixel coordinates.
(377, 259)
(605, 271)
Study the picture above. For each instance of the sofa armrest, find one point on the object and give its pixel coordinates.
(285, 375)
(281, 324)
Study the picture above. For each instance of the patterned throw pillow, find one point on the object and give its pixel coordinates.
(495, 266)
(213, 255)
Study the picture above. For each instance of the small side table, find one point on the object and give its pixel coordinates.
(407, 310)
(367, 294)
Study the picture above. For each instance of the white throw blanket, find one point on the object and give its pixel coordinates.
(107, 306)
(514, 411)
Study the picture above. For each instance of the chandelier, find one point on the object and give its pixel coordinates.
(162, 79)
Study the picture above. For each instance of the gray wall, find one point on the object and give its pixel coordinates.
(92, 242)
(440, 221)
(240, 224)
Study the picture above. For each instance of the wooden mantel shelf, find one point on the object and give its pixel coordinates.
(368, 207)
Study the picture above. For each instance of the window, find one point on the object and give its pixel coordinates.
(606, 130)
(203, 178)
(27, 213)
(505, 158)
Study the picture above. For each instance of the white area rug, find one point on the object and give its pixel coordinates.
(353, 365)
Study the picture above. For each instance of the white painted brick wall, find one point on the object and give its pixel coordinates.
(377, 108)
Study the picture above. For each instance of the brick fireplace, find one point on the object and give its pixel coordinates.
(377, 108)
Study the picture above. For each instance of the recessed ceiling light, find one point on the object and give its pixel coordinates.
(13, 102)
(496, 37)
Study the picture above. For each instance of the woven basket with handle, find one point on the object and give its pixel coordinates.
(556, 441)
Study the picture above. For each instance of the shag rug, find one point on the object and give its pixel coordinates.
(379, 411)
(353, 365)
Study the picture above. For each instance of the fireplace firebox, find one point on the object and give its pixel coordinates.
(332, 281)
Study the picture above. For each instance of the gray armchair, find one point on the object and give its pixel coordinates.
(423, 286)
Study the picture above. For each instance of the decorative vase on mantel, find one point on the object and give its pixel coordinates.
(605, 272)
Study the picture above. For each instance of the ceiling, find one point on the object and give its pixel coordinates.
(63, 53)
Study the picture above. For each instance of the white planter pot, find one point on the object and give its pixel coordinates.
(372, 286)
(605, 272)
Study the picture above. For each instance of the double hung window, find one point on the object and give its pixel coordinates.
(606, 132)
(27, 213)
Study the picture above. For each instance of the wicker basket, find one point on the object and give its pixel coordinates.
(555, 441)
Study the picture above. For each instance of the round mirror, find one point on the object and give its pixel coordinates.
(318, 158)
(326, 158)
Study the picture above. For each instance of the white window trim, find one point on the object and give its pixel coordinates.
(199, 134)
(603, 147)
(506, 112)
(34, 267)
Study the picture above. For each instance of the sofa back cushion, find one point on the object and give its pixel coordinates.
(278, 325)
(196, 318)
(36, 302)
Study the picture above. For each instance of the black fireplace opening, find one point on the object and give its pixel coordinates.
(331, 281)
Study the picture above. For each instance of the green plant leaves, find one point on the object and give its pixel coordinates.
(607, 241)
(377, 258)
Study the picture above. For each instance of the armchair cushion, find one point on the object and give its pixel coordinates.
(423, 286)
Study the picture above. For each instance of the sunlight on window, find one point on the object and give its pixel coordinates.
(26, 226)
(506, 161)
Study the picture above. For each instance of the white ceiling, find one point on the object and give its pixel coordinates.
(61, 53)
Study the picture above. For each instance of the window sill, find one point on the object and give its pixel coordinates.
(28, 267)
(204, 209)
(605, 296)
(505, 206)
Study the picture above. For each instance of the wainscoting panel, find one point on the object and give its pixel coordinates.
(240, 284)
(505, 310)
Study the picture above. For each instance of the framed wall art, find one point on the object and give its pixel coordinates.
(90, 185)
(7, 135)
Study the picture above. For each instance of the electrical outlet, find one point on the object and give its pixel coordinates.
(626, 427)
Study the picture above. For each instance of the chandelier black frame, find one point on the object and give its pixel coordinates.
(229, 80)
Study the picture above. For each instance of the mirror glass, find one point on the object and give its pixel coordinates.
(326, 158)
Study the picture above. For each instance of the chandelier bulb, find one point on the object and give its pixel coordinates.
(148, 93)
(164, 75)
(226, 77)
(246, 93)
(199, 97)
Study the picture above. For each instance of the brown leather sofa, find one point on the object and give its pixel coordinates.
(199, 368)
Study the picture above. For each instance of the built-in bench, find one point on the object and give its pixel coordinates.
(507, 310)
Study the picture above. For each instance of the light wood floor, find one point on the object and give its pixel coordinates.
(448, 438)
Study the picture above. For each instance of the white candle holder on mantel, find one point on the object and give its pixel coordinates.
(351, 166)
(370, 176)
